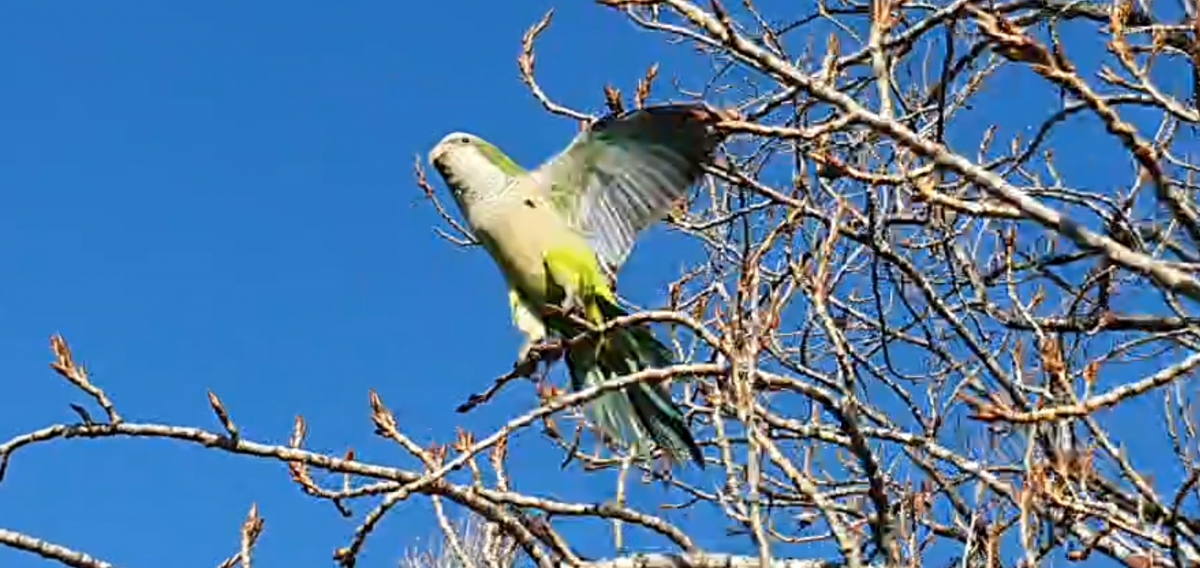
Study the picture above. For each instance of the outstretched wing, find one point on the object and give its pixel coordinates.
(623, 173)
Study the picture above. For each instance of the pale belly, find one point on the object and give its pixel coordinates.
(518, 240)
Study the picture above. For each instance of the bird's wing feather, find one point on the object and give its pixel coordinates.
(624, 172)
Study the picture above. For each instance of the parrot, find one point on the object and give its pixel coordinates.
(560, 233)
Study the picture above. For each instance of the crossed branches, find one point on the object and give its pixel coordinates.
(919, 326)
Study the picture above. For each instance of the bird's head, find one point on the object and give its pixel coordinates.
(473, 169)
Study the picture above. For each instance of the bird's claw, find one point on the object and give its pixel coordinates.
(527, 362)
(571, 302)
(533, 353)
(526, 350)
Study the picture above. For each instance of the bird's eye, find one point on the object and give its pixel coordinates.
(464, 140)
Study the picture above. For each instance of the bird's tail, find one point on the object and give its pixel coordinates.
(638, 408)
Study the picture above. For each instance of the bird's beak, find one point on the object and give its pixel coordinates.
(435, 155)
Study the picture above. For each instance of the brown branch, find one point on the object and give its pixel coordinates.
(465, 237)
(251, 530)
(50, 551)
(992, 413)
(64, 364)
(526, 61)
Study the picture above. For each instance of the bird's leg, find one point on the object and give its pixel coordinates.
(571, 300)
(529, 324)
(563, 274)
(525, 350)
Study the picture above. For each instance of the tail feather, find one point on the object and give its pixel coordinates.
(612, 412)
(665, 423)
(640, 410)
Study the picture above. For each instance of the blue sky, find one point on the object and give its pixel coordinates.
(219, 196)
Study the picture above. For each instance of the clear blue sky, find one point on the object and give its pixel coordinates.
(219, 196)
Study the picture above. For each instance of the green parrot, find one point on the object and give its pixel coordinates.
(560, 233)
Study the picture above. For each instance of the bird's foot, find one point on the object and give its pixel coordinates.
(526, 350)
(527, 362)
(572, 302)
(534, 352)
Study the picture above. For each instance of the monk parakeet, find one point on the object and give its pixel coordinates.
(560, 233)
